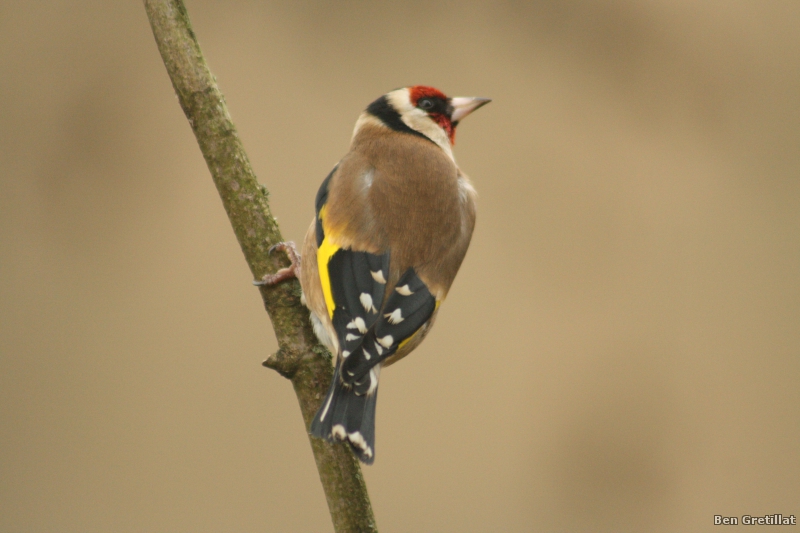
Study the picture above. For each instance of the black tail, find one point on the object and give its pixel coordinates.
(348, 414)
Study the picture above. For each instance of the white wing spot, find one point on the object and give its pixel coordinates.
(378, 277)
(345, 353)
(404, 290)
(367, 356)
(359, 324)
(379, 348)
(366, 301)
(395, 317)
(351, 337)
(386, 341)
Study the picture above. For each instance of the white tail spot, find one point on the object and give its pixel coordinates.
(338, 432)
(325, 411)
(357, 440)
(374, 372)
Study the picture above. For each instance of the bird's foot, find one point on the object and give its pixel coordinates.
(292, 271)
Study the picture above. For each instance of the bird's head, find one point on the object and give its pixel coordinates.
(425, 111)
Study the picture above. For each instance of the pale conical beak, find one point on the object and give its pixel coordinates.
(463, 106)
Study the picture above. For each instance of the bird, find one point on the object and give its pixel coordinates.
(392, 224)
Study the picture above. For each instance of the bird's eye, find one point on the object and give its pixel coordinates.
(426, 104)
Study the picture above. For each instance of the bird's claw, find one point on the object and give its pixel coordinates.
(292, 271)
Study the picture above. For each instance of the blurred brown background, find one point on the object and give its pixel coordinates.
(620, 351)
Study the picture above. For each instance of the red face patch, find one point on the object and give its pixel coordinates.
(446, 124)
(418, 92)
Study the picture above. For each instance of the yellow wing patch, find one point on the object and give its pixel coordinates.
(324, 254)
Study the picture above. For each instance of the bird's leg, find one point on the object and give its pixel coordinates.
(292, 271)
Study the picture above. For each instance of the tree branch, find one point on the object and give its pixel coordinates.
(300, 358)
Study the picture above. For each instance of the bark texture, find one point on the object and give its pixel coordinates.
(300, 357)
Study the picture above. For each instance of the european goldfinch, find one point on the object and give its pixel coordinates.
(393, 222)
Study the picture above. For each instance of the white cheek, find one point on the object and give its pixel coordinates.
(420, 121)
